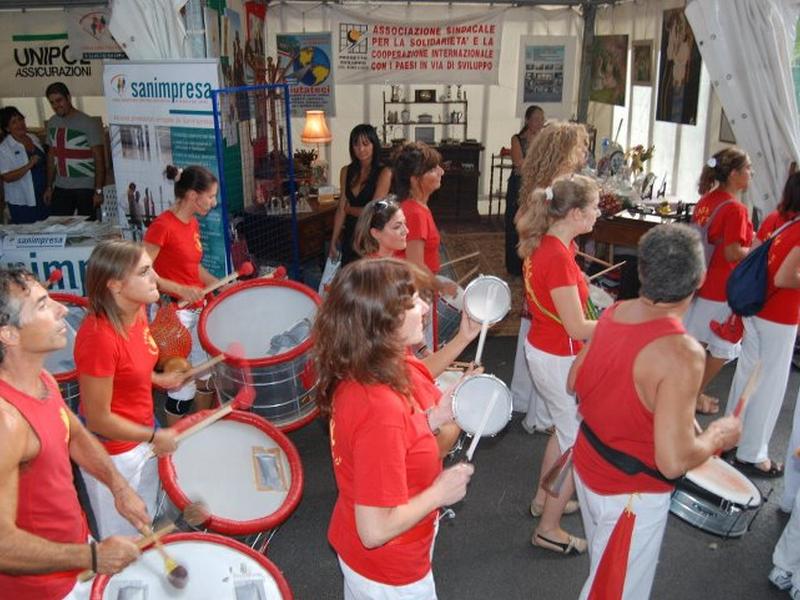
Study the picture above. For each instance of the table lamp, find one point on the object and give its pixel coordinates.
(316, 132)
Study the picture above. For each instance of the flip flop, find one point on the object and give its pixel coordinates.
(573, 547)
(707, 405)
(751, 469)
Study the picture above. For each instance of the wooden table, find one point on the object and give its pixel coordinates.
(624, 229)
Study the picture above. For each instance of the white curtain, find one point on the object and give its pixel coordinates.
(150, 29)
(747, 47)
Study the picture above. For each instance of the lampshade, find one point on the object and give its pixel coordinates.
(316, 129)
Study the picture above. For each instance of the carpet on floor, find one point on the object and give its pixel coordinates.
(490, 262)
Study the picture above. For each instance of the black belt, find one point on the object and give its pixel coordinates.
(630, 465)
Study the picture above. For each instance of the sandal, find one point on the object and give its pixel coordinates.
(707, 405)
(753, 470)
(571, 507)
(573, 547)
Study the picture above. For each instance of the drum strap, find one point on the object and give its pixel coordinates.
(630, 465)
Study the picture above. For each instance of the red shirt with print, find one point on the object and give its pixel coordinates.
(383, 455)
(783, 304)
(552, 265)
(731, 225)
(422, 227)
(180, 248)
(102, 352)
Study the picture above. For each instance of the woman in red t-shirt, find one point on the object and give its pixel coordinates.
(383, 406)
(115, 356)
(769, 338)
(381, 230)
(556, 291)
(723, 179)
(173, 243)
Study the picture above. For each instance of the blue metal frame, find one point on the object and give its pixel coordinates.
(294, 268)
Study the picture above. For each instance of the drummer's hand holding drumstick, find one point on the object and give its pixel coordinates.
(451, 484)
(164, 441)
(129, 504)
(114, 554)
(725, 432)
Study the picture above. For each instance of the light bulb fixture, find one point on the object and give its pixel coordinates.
(316, 132)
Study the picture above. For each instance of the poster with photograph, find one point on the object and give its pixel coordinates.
(679, 71)
(89, 36)
(305, 61)
(255, 61)
(160, 113)
(642, 62)
(547, 68)
(609, 69)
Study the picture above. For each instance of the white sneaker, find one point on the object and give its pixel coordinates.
(781, 579)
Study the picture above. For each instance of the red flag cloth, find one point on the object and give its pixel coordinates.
(609, 580)
(731, 330)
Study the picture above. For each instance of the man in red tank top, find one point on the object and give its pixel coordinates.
(43, 531)
(638, 430)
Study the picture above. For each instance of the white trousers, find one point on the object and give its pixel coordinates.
(523, 391)
(791, 475)
(358, 587)
(772, 344)
(189, 319)
(697, 321)
(550, 373)
(140, 469)
(787, 551)
(600, 515)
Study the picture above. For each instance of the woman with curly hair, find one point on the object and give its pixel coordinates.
(384, 408)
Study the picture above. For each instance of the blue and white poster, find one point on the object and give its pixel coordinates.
(304, 60)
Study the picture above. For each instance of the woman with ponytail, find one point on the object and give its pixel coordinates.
(557, 293)
(721, 213)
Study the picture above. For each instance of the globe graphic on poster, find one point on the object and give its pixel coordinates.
(312, 66)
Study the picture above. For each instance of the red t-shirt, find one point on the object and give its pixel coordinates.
(47, 504)
(783, 304)
(731, 225)
(102, 352)
(552, 265)
(421, 226)
(383, 455)
(180, 248)
(611, 407)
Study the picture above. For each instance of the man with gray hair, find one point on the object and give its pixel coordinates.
(43, 532)
(636, 383)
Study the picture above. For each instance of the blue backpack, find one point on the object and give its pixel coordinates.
(747, 283)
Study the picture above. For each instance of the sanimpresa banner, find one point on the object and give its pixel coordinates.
(375, 50)
(35, 51)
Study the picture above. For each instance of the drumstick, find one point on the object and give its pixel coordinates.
(468, 275)
(242, 401)
(599, 261)
(55, 276)
(484, 420)
(177, 575)
(748, 390)
(244, 270)
(490, 296)
(204, 366)
(604, 271)
(460, 258)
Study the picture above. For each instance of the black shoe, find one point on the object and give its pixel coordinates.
(751, 469)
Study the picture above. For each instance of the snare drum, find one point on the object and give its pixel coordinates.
(471, 398)
(448, 313)
(714, 497)
(218, 567)
(61, 363)
(246, 472)
(270, 319)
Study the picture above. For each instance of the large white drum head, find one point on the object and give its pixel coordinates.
(219, 569)
(253, 315)
(229, 466)
(456, 302)
(471, 398)
(487, 299)
(723, 480)
(61, 362)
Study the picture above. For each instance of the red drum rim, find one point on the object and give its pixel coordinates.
(166, 472)
(101, 581)
(277, 359)
(63, 298)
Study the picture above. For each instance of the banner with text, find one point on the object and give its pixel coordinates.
(35, 52)
(160, 113)
(305, 58)
(373, 50)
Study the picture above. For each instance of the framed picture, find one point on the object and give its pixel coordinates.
(546, 74)
(679, 71)
(424, 95)
(642, 62)
(726, 134)
(609, 69)
(425, 134)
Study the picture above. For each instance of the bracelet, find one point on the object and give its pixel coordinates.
(93, 548)
(152, 436)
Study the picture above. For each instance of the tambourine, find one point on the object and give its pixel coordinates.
(470, 400)
(487, 299)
